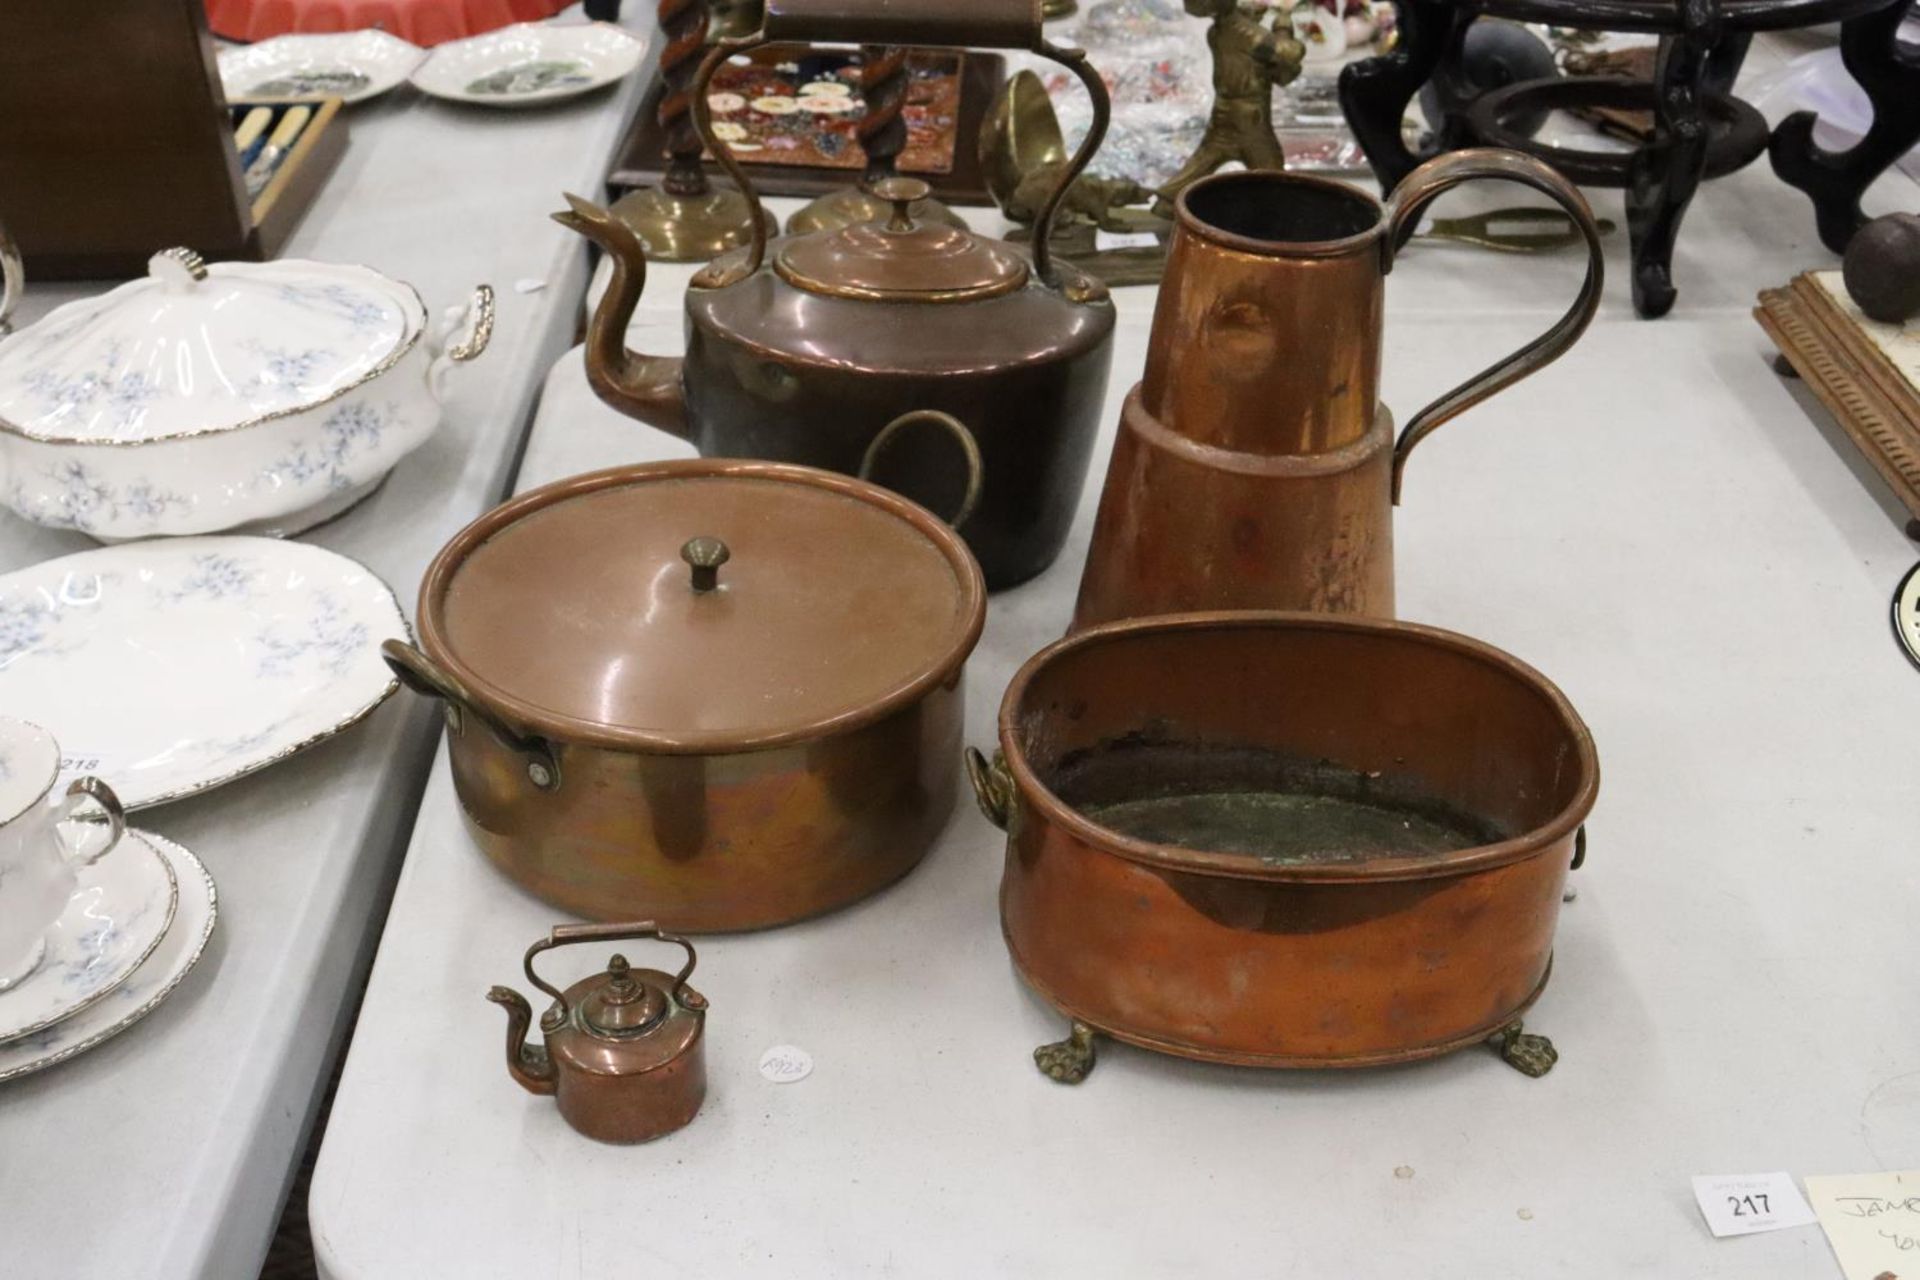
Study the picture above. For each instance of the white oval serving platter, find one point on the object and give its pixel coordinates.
(170, 666)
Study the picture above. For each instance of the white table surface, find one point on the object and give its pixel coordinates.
(168, 1151)
(1677, 536)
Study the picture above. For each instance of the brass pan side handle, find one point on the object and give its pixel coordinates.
(423, 675)
(1422, 187)
(993, 787)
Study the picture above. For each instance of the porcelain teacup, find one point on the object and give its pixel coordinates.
(42, 842)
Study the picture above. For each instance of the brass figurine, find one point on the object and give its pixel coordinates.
(685, 218)
(1250, 58)
(882, 132)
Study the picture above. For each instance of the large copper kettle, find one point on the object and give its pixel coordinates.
(805, 348)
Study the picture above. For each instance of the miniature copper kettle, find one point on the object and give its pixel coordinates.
(623, 1055)
(1256, 467)
(804, 348)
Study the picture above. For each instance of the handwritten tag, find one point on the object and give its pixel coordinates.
(786, 1064)
(1105, 240)
(1872, 1220)
(1739, 1204)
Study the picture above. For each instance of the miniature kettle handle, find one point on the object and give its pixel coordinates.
(1415, 192)
(976, 24)
(563, 934)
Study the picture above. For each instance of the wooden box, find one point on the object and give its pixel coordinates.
(116, 141)
(1867, 373)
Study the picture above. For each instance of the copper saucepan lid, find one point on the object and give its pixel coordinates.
(702, 606)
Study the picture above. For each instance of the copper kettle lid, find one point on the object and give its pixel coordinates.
(704, 605)
(901, 259)
(622, 1021)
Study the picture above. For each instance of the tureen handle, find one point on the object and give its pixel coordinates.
(978, 24)
(13, 280)
(446, 352)
(976, 468)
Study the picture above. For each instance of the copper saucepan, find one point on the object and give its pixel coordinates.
(1285, 840)
(716, 694)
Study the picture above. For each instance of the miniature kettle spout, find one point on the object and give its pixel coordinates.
(529, 1064)
(640, 386)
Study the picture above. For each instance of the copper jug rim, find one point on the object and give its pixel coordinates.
(1362, 238)
(1166, 857)
(938, 669)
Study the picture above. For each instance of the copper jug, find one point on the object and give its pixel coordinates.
(623, 1054)
(1255, 466)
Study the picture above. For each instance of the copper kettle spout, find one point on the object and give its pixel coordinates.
(526, 1063)
(641, 386)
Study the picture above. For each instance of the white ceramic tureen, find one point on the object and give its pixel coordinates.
(259, 397)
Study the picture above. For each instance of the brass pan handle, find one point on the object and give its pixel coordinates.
(960, 24)
(993, 787)
(563, 934)
(423, 675)
(1415, 192)
(976, 466)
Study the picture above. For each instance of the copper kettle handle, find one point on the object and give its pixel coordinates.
(563, 934)
(954, 24)
(976, 467)
(1415, 192)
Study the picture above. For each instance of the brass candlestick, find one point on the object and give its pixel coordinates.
(685, 218)
(882, 132)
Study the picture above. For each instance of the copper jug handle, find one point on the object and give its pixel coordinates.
(1443, 173)
(969, 446)
(952, 24)
(563, 934)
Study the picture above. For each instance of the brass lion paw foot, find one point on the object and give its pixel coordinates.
(1069, 1060)
(1530, 1055)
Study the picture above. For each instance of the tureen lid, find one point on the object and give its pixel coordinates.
(192, 349)
(901, 259)
(703, 605)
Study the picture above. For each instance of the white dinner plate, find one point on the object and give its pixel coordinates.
(119, 911)
(528, 64)
(170, 666)
(355, 65)
(139, 995)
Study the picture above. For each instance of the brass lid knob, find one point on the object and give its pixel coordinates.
(902, 194)
(705, 555)
(624, 1005)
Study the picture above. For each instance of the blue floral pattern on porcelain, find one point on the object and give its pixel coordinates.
(263, 397)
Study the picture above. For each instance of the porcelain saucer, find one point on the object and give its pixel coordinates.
(354, 65)
(181, 948)
(173, 665)
(117, 915)
(530, 64)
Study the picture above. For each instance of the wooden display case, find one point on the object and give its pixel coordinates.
(116, 141)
